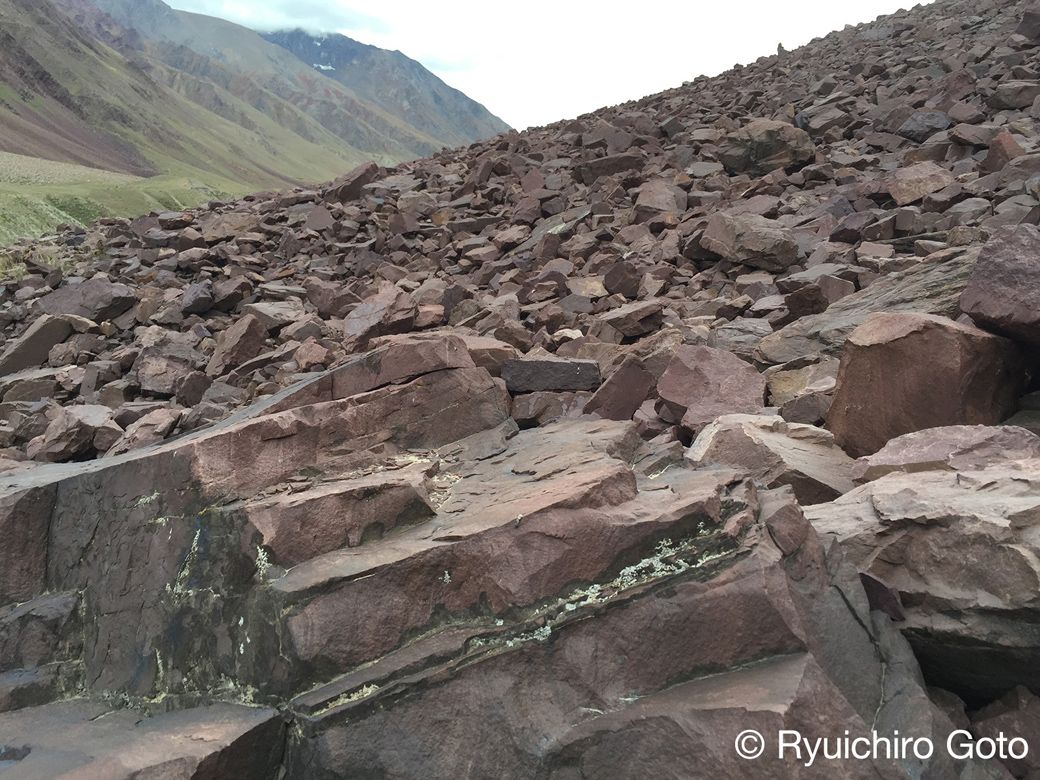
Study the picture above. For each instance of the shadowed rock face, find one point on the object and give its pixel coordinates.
(536, 459)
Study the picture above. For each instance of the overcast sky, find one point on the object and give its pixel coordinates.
(538, 61)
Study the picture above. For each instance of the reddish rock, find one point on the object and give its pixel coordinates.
(349, 187)
(95, 299)
(777, 453)
(911, 184)
(901, 373)
(1005, 282)
(764, 145)
(703, 383)
(242, 341)
(389, 310)
(750, 239)
(623, 392)
(950, 448)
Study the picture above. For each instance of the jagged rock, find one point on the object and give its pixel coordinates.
(911, 184)
(1015, 715)
(750, 239)
(959, 549)
(950, 448)
(931, 288)
(702, 383)
(349, 187)
(387, 311)
(623, 392)
(80, 738)
(776, 453)
(922, 125)
(30, 349)
(1004, 285)
(303, 524)
(764, 145)
(901, 373)
(541, 408)
(72, 433)
(241, 342)
(348, 518)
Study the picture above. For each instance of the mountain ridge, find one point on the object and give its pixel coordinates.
(195, 104)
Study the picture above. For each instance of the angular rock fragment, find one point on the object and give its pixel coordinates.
(242, 341)
(777, 453)
(764, 145)
(94, 299)
(703, 383)
(751, 240)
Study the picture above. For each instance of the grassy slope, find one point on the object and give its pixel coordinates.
(199, 154)
(36, 195)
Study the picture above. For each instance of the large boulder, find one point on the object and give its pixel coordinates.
(1004, 288)
(904, 372)
(932, 288)
(764, 145)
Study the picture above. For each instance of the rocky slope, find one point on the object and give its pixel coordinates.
(574, 453)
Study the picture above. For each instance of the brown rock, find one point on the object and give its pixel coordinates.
(750, 239)
(297, 526)
(911, 184)
(349, 186)
(1004, 286)
(764, 145)
(389, 310)
(623, 392)
(777, 453)
(901, 373)
(95, 299)
(243, 341)
(949, 448)
(703, 383)
(85, 739)
(30, 349)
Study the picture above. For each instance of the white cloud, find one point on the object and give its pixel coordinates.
(538, 61)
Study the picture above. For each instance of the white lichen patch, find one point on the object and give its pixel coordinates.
(666, 561)
(179, 586)
(350, 698)
(263, 562)
(145, 500)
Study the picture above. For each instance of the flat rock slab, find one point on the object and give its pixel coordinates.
(82, 739)
(949, 448)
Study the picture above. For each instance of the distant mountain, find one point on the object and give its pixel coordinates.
(395, 82)
(188, 108)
